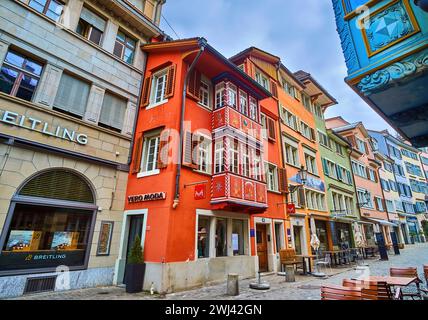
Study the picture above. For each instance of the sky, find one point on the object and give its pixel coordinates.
(301, 32)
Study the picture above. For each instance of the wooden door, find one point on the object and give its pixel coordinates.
(297, 232)
(262, 247)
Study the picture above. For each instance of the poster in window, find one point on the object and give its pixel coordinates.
(21, 240)
(63, 240)
(104, 240)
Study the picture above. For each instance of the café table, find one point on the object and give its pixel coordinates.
(306, 258)
(335, 254)
(392, 281)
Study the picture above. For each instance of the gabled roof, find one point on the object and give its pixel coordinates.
(307, 79)
(196, 43)
(259, 53)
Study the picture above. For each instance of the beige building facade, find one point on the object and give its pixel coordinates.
(69, 90)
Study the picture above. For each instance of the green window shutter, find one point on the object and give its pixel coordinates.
(325, 166)
(339, 173)
(348, 173)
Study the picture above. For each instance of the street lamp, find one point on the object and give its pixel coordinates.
(303, 177)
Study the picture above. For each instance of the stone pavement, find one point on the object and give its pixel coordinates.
(305, 287)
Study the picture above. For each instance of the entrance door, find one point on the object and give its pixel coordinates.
(297, 233)
(135, 228)
(262, 247)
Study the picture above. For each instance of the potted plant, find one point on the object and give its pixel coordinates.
(135, 268)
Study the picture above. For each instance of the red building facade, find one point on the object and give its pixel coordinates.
(198, 191)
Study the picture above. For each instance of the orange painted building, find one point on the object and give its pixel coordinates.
(365, 167)
(198, 191)
(292, 106)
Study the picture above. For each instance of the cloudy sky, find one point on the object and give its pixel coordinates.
(301, 32)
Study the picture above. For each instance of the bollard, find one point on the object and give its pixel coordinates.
(289, 273)
(233, 284)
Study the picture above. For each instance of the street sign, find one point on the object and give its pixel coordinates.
(291, 208)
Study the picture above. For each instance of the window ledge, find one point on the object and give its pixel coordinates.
(148, 173)
(150, 106)
(274, 191)
(209, 174)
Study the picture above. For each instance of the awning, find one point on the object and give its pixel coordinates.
(383, 222)
(344, 219)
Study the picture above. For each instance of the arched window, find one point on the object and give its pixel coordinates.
(50, 223)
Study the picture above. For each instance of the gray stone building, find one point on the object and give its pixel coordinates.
(70, 80)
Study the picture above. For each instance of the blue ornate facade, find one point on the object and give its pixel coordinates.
(385, 44)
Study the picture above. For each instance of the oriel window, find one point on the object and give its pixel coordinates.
(20, 76)
(91, 26)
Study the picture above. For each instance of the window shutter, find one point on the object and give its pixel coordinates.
(188, 150)
(349, 177)
(283, 181)
(366, 147)
(271, 128)
(145, 98)
(170, 82)
(195, 154)
(339, 173)
(368, 173)
(375, 176)
(194, 84)
(274, 88)
(325, 166)
(352, 140)
(72, 95)
(138, 153)
(312, 134)
(301, 197)
(163, 149)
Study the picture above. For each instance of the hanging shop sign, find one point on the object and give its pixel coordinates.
(291, 208)
(43, 127)
(147, 197)
(200, 192)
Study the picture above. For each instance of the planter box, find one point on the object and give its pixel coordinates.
(134, 277)
(401, 245)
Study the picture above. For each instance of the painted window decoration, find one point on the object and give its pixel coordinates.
(20, 75)
(91, 26)
(104, 240)
(388, 25)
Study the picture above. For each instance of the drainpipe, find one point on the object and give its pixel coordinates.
(202, 44)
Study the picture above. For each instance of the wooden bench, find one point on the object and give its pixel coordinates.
(288, 257)
(409, 272)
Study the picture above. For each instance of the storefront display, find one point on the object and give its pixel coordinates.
(321, 227)
(343, 235)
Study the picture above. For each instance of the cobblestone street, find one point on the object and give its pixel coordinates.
(305, 287)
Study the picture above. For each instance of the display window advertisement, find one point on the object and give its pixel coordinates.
(49, 224)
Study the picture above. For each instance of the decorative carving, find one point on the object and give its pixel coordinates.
(397, 71)
(388, 26)
(344, 31)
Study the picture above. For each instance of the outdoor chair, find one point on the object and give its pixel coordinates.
(333, 292)
(408, 272)
(373, 290)
(325, 261)
(426, 275)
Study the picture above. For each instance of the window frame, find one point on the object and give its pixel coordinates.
(148, 137)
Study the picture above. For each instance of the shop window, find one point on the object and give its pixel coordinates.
(203, 237)
(112, 112)
(20, 75)
(50, 8)
(72, 96)
(221, 238)
(321, 231)
(91, 26)
(124, 47)
(42, 236)
(238, 238)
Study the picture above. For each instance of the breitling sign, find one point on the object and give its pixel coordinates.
(37, 125)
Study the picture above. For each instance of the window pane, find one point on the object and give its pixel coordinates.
(118, 48)
(37, 5)
(54, 10)
(93, 19)
(238, 237)
(33, 67)
(129, 55)
(221, 238)
(7, 79)
(26, 88)
(95, 36)
(43, 232)
(120, 37)
(203, 237)
(15, 59)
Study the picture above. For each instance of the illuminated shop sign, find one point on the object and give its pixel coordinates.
(34, 124)
(147, 197)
